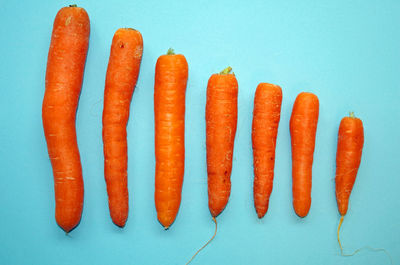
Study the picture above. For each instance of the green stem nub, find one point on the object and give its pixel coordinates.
(74, 5)
(352, 114)
(226, 71)
(170, 51)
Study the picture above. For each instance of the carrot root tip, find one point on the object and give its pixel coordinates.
(338, 234)
(359, 249)
(208, 242)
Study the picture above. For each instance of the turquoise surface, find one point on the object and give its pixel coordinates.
(346, 52)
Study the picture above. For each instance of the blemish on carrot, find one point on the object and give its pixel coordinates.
(68, 20)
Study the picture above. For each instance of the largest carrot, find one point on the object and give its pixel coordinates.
(169, 113)
(122, 74)
(65, 67)
(303, 128)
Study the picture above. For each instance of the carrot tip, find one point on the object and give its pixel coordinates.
(226, 71)
(170, 51)
(74, 5)
(260, 215)
(338, 234)
(208, 242)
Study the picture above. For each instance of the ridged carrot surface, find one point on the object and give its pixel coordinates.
(348, 159)
(64, 75)
(266, 116)
(303, 128)
(169, 112)
(122, 74)
(221, 122)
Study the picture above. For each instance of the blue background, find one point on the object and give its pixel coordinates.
(347, 52)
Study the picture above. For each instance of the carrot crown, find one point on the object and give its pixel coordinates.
(226, 71)
(352, 114)
(74, 5)
(170, 51)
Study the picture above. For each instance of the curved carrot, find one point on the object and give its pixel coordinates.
(221, 119)
(348, 159)
(64, 74)
(303, 127)
(266, 116)
(122, 74)
(169, 112)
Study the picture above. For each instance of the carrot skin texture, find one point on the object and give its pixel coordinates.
(348, 159)
(169, 112)
(221, 122)
(303, 127)
(64, 75)
(122, 74)
(266, 116)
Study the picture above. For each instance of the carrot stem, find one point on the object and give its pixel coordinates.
(226, 71)
(170, 51)
(208, 242)
(352, 114)
(74, 5)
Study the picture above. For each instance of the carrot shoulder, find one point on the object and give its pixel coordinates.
(303, 127)
(122, 74)
(266, 116)
(169, 113)
(221, 121)
(64, 75)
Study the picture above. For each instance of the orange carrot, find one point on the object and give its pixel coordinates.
(221, 119)
(122, 73)
(65, 67)
(348, 158)
(303, 127)
(169, 112)
(266, 116)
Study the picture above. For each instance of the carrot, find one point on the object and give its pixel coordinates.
(266, 116)
(169, 112)
(122, 74)
(221, 119)
(64, 74)
(348, 158)
(303, 127)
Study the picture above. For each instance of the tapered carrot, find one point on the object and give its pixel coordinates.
(266, 116)
(348, 158)
(122, 74)
(303, 127)
(221, 119)
(64, 74)
(169, 113)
